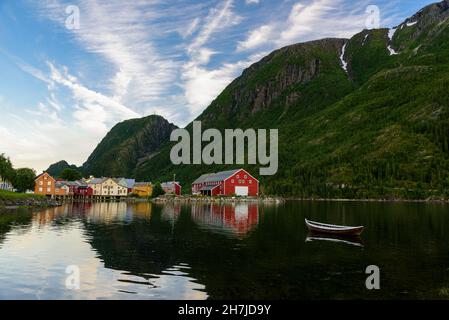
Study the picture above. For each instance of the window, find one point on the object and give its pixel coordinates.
(246, 177)
(49, 183)
(250, 181)
(237, 176)
(40, 190)
(48, 189)
(232, 180)
(57, 190)
(41, 183)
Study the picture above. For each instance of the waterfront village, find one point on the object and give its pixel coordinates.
(236, 182)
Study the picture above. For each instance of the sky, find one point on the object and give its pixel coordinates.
(71, 70)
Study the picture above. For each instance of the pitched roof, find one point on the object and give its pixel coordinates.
(127, 183)
(142, 184)
(97, 181)
(168, 184)
(216, 177)
(60, 184)
(203, 178)
(130, 182)
(43, 173)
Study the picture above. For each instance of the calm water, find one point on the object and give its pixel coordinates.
(244, 251)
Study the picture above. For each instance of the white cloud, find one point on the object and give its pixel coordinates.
(252, 1)
(256, 38)
(219, 18)
(193, 26)
(121, 32)
(202, 85)
(44, 139)
(308, 20)
(83, 95)
(320, 18)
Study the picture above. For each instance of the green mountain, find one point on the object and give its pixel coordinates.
(57, 168)
(126, 145)
(123, 148)
(380, 128)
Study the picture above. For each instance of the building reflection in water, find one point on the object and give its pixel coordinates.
(108, 212)
(170, 212)
(236, 219)
(48, 215)
(142, 210)
(96, 212)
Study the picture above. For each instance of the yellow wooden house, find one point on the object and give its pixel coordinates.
(143, 189)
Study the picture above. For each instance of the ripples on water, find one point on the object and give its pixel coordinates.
(201, 251)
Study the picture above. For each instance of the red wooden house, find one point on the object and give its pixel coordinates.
(79, 189)
(171, 188)
(229, 183)
(84, 191)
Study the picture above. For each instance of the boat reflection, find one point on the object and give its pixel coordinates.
(352, 240)
(236, 219)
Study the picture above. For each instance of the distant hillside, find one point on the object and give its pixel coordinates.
(56, 169)
(128, 143)
(379, 129)
(121, 150)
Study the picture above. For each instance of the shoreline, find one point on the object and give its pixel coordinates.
(441, 201)
(279, 199)
(24, 202)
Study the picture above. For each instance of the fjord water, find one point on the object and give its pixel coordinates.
(234, 251)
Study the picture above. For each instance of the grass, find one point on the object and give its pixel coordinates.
(8, 195)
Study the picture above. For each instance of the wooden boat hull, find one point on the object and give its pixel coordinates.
(322, 228)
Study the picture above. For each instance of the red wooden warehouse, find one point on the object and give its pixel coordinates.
(229, 183)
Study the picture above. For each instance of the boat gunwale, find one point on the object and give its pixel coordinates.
(331, 226)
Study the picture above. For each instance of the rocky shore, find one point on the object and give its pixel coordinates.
(28, 203)
(197, 199)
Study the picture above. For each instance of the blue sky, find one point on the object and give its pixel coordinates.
(63, 85)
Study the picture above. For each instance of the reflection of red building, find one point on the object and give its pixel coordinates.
(229, 183)
(171, 211)
(239, 218)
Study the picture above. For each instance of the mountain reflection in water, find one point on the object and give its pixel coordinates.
(223, 251)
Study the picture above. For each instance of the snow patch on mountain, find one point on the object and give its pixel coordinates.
(344, 64)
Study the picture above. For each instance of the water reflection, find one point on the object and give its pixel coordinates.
(354, 241)
(173, 251)
(236, 219)
(171, 212)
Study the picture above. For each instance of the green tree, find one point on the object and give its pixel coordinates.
(24, 179)
(70, 174)
(6, 169)
(157, 190)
